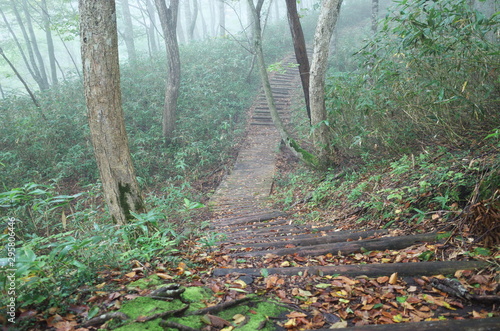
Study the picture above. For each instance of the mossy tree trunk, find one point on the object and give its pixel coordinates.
(299, 45)
(285, 136)
(322, 137)
(101, 74)
(168, 19)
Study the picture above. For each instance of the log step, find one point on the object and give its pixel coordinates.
(370, 270)
(348, 247)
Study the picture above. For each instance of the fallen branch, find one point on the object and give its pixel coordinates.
(174, 312)
(104, 318)
(168, 292)
(220, 307)
(174, 325)
(455, 288)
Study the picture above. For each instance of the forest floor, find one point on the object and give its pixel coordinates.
(259, 268)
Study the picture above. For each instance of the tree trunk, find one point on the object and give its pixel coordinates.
(70, 55)
(299, 45)
(128, 34)
(250, 23)
(50, 42)
(194, 16)
(34, 45)
(21, 51)
(276, 10)
(180, 29)
(374, 15)
(33, 98)
(168, 19)
(213, 18)
(152, 26)
(101, 74)
(204, 29)
(321, 131)
(188, 19)
(32, 64)
(285, 137)
(222, 18)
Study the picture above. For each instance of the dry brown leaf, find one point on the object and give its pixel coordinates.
(164, 276)
(393, 279)
(217, 321)
(382, 280)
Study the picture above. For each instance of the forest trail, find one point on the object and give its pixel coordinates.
(266, 250)
(242, 194)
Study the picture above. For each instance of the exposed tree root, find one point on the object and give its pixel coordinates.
(220, 307)
(104, 318)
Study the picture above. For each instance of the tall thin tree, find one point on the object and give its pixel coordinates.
(34, 44)
(292, 145)
(168, 19)
(50, 42)
(101, 73)
(321, 130)
(299, 45)
(128, 32)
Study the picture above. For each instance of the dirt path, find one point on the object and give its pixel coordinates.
(265, 251)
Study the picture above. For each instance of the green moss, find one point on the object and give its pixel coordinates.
(260, 313)
(144, 283)
(124, 191)
(256, 311)
(144, 306)
(196, 296)
(306, 156)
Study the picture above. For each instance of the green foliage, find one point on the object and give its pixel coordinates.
(428, 74)
(66, 238)
(409, 191)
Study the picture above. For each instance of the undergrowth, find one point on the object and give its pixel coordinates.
(414, 113)
(51, 205)
(431, 190)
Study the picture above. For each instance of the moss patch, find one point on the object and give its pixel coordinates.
(152, 281)
(256, 312)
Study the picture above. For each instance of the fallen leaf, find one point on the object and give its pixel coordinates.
(290, 324)
(99, 286)
(130, 274)
(240, 283)
(412, 289)
(393, 279)
(164, 276)
(339, 325)
(296, 314)
(239, 318)
(382, 280)
(217, 321)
